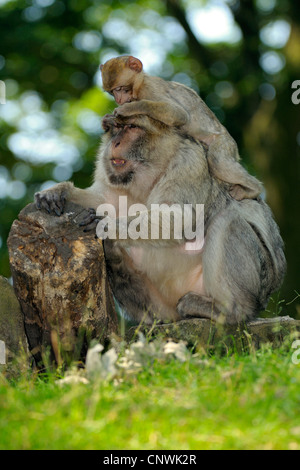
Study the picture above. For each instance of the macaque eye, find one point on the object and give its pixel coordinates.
(132, 126)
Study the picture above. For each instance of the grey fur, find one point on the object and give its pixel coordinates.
(242, 260)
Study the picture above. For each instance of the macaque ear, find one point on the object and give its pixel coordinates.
(135, 64)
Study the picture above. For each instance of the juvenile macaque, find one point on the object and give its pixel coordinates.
(176, 105)
(241, 262)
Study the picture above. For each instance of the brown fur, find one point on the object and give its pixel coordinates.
(176, 105)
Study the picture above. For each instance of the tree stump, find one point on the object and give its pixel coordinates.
(60, 280)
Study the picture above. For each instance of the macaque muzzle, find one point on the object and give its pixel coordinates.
(118, 162)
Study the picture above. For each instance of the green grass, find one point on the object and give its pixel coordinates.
(246, 401)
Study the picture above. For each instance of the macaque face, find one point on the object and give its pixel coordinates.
(122, 94)
(119, 77)
(123, 156)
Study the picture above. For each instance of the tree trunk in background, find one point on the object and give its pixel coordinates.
(273, 139)
(60, 280)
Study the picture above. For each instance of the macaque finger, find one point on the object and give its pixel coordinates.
(89, 217)
(107, 122)
(42, 202)
(55, 209)
(90, 221)
(57, 204)
(51, 202)
(92, 226)
(38, 201)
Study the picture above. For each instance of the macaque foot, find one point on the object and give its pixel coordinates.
(90, 221)
(194, 305)
(52, 201)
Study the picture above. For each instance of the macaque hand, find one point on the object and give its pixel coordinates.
(51, 200)
(127, 109)
(90, 221)
(108, 121)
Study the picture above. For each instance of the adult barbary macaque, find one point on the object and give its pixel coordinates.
(179, 106)
(242, 260)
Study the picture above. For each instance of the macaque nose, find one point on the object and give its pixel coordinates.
(117, 142)
(118, 98)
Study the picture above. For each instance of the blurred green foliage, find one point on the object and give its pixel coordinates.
(50, 126)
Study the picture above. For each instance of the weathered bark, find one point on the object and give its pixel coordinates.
(60, 280)
(12, 331)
